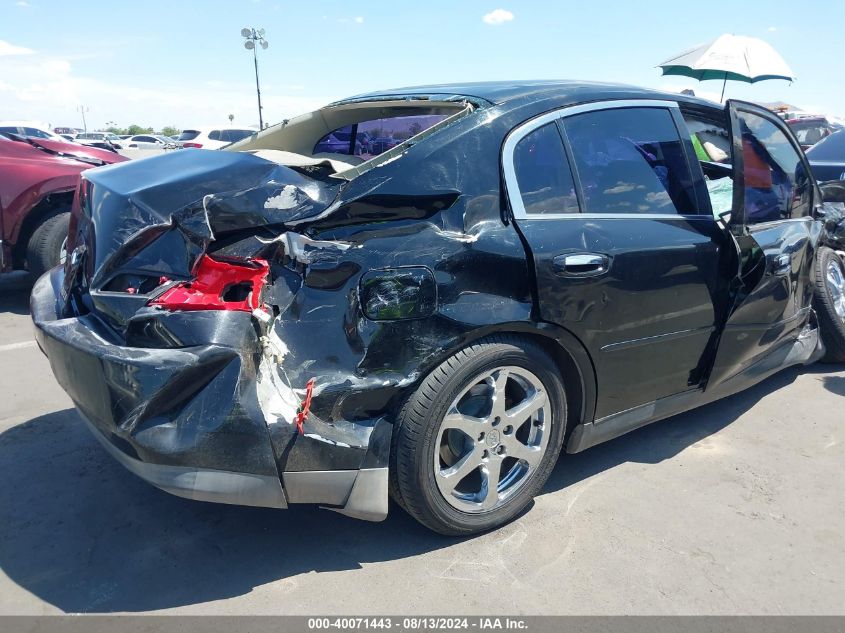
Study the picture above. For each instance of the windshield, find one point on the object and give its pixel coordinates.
(830, 148)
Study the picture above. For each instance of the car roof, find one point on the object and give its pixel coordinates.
(501, 92)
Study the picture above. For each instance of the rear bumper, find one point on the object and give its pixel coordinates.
(188, 421)
(201, 484)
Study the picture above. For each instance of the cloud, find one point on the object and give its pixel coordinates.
(359, 19)
(23, 3)
(10, 49)
(772, 29)
(47, 88)
(497, 17)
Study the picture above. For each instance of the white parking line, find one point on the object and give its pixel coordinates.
(21, 345)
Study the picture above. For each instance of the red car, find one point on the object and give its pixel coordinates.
(38, 178)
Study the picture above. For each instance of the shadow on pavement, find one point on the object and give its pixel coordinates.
(81, 533)
(665, 439)
(15, 300)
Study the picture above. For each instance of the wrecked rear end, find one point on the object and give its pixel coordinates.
(240, 326)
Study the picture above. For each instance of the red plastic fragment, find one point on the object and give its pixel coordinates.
(304, 406)
(212, 279)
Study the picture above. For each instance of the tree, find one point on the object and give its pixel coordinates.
(169, 130)
(137, 129)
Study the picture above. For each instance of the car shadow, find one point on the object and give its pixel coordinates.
(834, 384)
(14, 299)
(665, 439)
(84, 535)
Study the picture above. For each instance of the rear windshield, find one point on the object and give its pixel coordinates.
(832, 148)
(188, 135)
(371, 138)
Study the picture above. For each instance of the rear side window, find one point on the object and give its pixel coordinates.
(776, 183)
(630, 160)
(214, 135)
(543, 173)
(188, 135)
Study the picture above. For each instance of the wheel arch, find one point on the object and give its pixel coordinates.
(48, 206)
(568, 353)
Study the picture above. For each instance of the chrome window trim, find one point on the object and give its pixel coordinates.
(524, 129)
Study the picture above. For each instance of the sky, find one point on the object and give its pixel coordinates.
(182, 63)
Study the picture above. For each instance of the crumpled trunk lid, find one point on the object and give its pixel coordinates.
(142, 224)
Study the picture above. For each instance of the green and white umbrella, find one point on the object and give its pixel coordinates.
(733, 57)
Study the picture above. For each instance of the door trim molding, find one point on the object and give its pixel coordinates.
(524, 129)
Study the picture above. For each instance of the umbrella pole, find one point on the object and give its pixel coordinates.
(724, 83)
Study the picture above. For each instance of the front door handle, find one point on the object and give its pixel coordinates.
(581, 264)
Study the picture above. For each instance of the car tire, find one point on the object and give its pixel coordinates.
(829, 303)
(434, 476)
(43, 251)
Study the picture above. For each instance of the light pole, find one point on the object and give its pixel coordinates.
(82, 110)
(254, 38)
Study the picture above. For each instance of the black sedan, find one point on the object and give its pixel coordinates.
(538, 267)
(827, 157)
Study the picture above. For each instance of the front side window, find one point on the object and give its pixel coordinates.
(776, 183)
(712, 144)
(630, 160)
(214, 135)
(543, 173)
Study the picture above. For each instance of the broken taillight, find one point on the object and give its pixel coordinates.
(218, 285)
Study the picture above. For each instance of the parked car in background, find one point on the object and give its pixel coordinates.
(29, 128)
(827, 157)
(213, 137)
(536, 267)
(70, 138)
(103, 140)
(148, 141)
(809, 130)
(38, 178)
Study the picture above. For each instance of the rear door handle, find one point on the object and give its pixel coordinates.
(581, 264)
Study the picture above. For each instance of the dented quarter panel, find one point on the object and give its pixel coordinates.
(437, 206)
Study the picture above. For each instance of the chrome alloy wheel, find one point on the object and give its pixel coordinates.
(835, 280)
(492, 439)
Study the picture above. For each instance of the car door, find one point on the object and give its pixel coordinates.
(627, 255)
(775, 233)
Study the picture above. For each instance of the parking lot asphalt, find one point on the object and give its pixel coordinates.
(734, 508)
